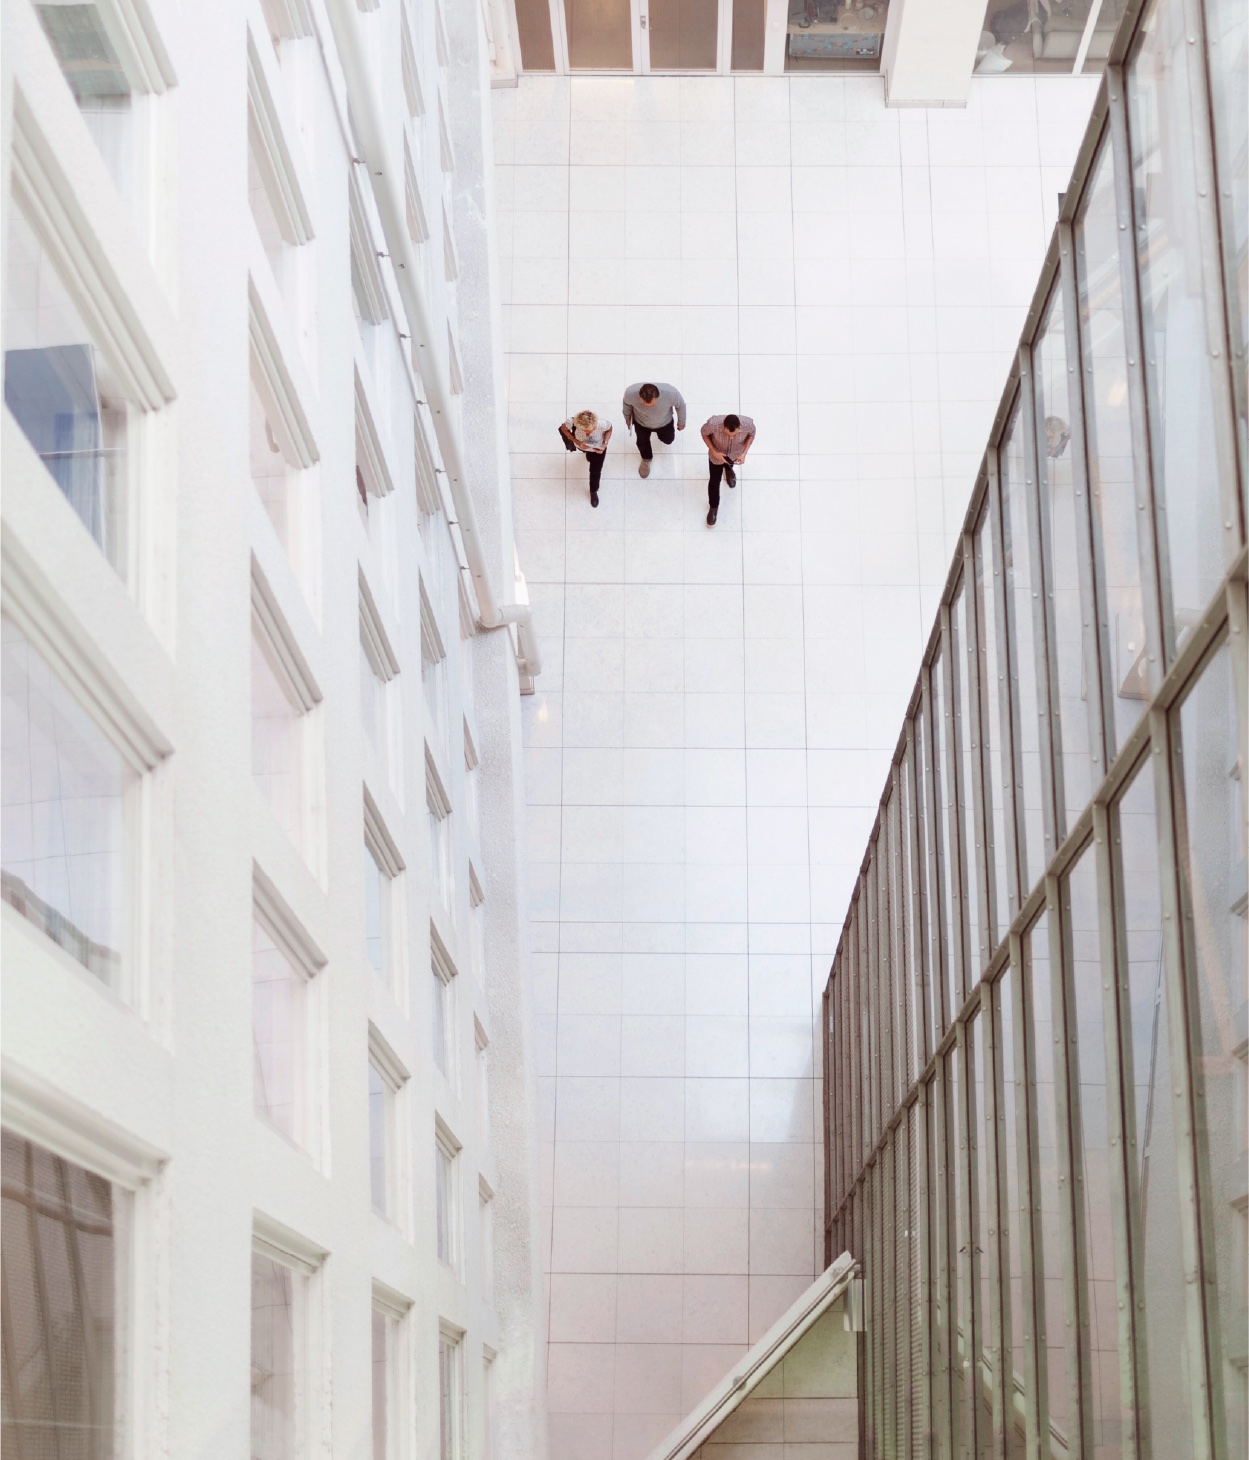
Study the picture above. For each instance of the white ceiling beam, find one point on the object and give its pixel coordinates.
(929, 51)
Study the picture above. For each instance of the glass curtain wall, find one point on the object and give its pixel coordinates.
(1037, 1061)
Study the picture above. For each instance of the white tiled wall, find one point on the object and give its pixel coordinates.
(714, 721)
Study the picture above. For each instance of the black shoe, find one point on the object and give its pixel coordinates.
(711, 516)
(593, 497)
(730, 476)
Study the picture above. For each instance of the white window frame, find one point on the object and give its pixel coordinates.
(485, 1218)
(394, 1077)
(384, 850)
(271, 910)
(275, 161)
(481, 1080)
(442, 968)
(280, 1243)
(370, 298)
(400, 1378)
(446, 1145)
(453, 1337)
(378, 648)
(438, 805)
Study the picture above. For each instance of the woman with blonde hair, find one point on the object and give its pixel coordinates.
(587, 432)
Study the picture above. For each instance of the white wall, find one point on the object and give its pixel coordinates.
(157, 1089)
(711, 734)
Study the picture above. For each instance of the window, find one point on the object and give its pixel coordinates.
(443, 986)
(68, 817)
(280, 1038)
(278, 740)
(441, 870)
(477, 926)
(64, 1259)
(433, 677)
(274, 192)
(450, 1397)
(376, 913)
(472, 807)
(279, 1303)
(382, 1344)
(446, 1197)
(418, 225)
(487, 1245)
(85, 41)
(483, 1084)
(450, 260)
(66, 394)
(379, 702)
(386, 1077)
(408, 69)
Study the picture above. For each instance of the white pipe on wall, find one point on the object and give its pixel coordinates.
(371, 138)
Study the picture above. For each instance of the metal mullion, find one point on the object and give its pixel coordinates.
(884, 926)
(867, 992)
(1155, 579)
(1216, 296)
(907, 1298)
(901, 943)
(889, 1305)
(1011, 776)
(953, 782)
(1113, 936)
(996, 1253)
(926, 1296)
(1182, 975)
(871, 926)
(1052, 803)
(845, 1123)
(1029, 1215)
(859, 1044)
(973, 661)
(825, 1123)
(941, 1021)
(1094, 613)
(1071, 1161)
(923, 1047)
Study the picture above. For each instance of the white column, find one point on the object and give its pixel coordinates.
(930, 51)
(776, 26)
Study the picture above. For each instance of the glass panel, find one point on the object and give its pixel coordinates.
(273, 1378)
(277, 742)
(962, 1367)
(917, 1387)
(1156, 1173)
(947, 866)
(909, 917)
(1058, 39)
(1025, 671)
(90, 64)
(1227, 31)
(376, 914)
(748, 26)
(985, 1390)
(1055, 1334)
(61, 1344)
(1111, 479)
(279, 1036)
(683, 34)
(442, 1022)
(1089, 1051)
(1180, 369)
(825, 35)
(533, 26)
(380, 1372)
(1013, 1217)
(444, 1198)
(1070, 592)
(988, 605)
(600, 35)
(1214, 868)
(64, 393)
(65, 785)
(969, 752)
(379, 1141)
(927, 861)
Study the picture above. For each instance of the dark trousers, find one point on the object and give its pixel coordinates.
(596, 460)
(717, 470)
(667, 434)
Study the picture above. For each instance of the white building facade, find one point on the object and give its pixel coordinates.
(268, 1170)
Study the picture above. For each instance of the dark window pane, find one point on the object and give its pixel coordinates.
(533, 26)
(983, 1393)
(683, 34)
(968, 757)
(60, 1307)
(600, 35)
(947, 866)
(748, 22)
(988, 610)
(1013, 1217)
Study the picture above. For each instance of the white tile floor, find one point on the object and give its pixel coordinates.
(714, 722)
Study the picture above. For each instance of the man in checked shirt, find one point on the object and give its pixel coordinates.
(728, 440)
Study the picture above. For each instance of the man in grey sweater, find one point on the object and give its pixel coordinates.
(653, 408)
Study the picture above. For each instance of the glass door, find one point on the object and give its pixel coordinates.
(599, 34)
(682, 35)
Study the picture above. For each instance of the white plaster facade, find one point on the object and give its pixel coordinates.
(197, 306)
